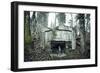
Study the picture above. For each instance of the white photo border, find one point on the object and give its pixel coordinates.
(37, 64)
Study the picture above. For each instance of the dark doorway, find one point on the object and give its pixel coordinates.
(58, 46)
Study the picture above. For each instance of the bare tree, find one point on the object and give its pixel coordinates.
(81, 18)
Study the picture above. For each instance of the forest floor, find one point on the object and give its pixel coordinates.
(44, 55)
(69, 54)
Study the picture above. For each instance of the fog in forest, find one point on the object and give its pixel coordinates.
(56, 36)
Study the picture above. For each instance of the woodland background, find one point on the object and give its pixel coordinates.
(35, 24)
